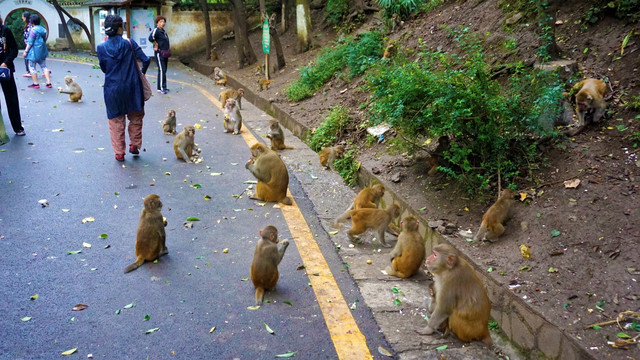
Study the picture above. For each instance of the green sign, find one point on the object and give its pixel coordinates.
(266, 40)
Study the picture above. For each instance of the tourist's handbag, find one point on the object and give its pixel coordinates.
(146, 87)
(165, 53)
(5, 74)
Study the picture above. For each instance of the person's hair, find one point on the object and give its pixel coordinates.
(111, 24)
(34, 19)
(26, 15)
(160, 17)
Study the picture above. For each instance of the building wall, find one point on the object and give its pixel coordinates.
(187, 32)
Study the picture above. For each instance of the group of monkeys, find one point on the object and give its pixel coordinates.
(459, 301)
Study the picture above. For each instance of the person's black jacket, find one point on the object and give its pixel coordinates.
(160, 36)
(8, 47)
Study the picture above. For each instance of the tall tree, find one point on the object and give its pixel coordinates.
(246, 55)
(75, 20)
(72, 45)
(303, 21)
(275, 38)
(207, 27)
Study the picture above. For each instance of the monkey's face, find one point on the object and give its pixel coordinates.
(257, 150)
(240, 92)
(340, 151)
(189, 131)
(230, 104)
(273, 125)
(172, 113)
(584, 101)
(68, 80)
(431, 261)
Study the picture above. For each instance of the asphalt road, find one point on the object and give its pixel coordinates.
(67, 159)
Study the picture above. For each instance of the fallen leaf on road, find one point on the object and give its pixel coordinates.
(88, 219)
(244, 279)
(253, 307)
(151, 330)
(146, 318)
(74, 252)
(572, 184)
(226, 250)
(268, 329)
(287, 355)
(384, 351)
(207, 197)
(33, 297)
(212, 330)
(57, 130)
(192, 218)
(129, 306)
(288, 302)
(250, 182)
(79, 307)
(85, 244)
(26, 318)
(70, 351)
(441, 348)
(66, 210)
(333, 232)
(104, 236)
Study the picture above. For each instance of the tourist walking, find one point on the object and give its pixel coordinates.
(26, 16)
(161, 51)
(123, 91)
(8, 52)
(36, 52)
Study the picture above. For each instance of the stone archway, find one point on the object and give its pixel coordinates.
(14, 18)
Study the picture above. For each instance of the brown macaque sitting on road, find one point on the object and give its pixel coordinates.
(408, 254)
(367, 218)
(232, 94)
(150, 237)
(184, 143)
(272, 175)
(589, 95)
(169, 123)
(461, 301)
(497, 214)
(219, 76)
(266, 258)
(232, 118)
(276, 135)
(329, 154)
(73, 89)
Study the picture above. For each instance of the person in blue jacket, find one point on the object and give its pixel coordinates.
(123, 92)
(36, 51)
(162, 52)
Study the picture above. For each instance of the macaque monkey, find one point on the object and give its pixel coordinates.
(169, 123)
(329, 154)
(184, 143)
(589, 95)
(264, 84)
(214, 55)
(150, 238)
(73, 89)
(460, 297)
(232, 118)
(272, 175)
(276, 135)
(497, 214)
(390, 50)
(367, 218)
(368, 197)
(396, 22)
(408, 254)
(232, 94)
(264, 267)
(219, 76)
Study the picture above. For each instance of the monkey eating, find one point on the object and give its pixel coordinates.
(219, 76)
(276, 135)
(266, 258)
(460, 297)
(73, 89)
(497, 214)
(589, 97)
(329, 154)
(408, 254)
(232, 94)
(367, 218)
(169, 123)
(232, 118)
(150, 237)
(272, 175)
(184, 143)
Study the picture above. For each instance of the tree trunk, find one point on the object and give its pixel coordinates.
(246, 55)
(280, 63)
(207, 27)
(303, 21)
(77, 21)
(72, 45)
(283, 16)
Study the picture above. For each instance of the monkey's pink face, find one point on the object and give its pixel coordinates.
(431, 259)
(583, 106)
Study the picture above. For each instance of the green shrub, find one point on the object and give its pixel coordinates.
(364, 52)
(331, 128)
(493, 126)
(348, 167)
(406, 7)
(337, 10)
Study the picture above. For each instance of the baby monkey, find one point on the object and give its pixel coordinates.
(266, 258)
(232, 117)
(150, 237)
(276, 135)
(73, 89)
(329, 154)
(169, 123)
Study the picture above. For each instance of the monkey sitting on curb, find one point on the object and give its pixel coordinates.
(276, 135)
(408, 254)
(329, 154)
(73, 89)
(150, 237)
(219, 76)
(266, 258)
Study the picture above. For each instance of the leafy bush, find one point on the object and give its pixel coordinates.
(406, 7)
(356, 55)
(493, 126)
(331, 128)
(619, 8)
(348, 167)
(337, 10)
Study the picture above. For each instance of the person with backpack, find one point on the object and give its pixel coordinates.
(36, 52)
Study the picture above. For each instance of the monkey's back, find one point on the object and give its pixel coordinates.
(264, 268)
(412, 257)
(470, 317)
(150, 236)
(276, 188)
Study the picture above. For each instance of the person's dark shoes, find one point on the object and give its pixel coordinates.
(120, 157)
(21, 133)
(165, 92)
(49, 86)
(34, 86)
(134, 150)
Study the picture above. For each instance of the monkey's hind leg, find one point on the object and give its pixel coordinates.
(259, 295)
(480, 234)
(495, 232)
(135, 265)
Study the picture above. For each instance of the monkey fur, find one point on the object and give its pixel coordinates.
(232, 94)
(169, 123)
(73, 89)
(232, 118)
(184, 143)
(272, 175)
(367, 218)
(409, 253)
(150, 237)
(276, 135)
(219, 76)
(266, 258)
(329, 154)
(497, 214)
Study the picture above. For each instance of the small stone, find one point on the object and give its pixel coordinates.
(396, 177)
(376, 170)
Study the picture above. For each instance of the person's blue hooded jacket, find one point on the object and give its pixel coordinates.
(37, 41)
(122, 85)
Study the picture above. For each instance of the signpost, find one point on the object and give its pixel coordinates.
(266, 43)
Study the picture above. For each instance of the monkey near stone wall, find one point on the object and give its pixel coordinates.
(276, 135)
(409, 253)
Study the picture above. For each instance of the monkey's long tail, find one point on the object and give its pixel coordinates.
(259, 295)
(135, 265)
(480, 233)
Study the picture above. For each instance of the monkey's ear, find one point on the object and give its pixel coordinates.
(451, 260)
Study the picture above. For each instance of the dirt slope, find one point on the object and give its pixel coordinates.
(585, 242)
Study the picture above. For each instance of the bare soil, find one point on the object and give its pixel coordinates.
(585, 241)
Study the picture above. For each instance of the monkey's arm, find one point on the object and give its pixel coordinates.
(261, 176)
(397, 251)
(184, 154)
(281, 249)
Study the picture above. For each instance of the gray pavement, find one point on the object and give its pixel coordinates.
(52, 260)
